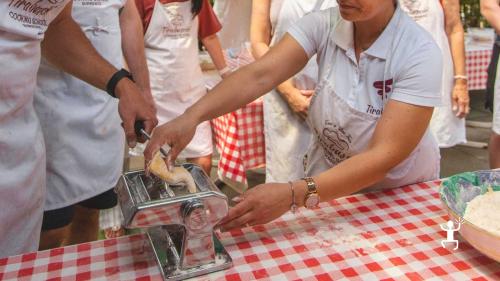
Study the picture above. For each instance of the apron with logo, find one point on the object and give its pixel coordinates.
(171, 42)
(22, 151)
(342, 131)
(83, 136)
(445, 126)
(287, 135)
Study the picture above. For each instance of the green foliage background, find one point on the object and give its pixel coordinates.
(471, 14)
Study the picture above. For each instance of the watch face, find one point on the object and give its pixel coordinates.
(312, 201)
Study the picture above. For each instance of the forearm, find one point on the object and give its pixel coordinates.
(285, 89)
(221, 99)
(344, 179)
(490, 9)
(408, 122)
(456, 39)
(66, 47)
(212, 44)
(258, 77)
(133, 46)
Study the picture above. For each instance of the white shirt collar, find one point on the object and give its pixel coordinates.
(343, 36)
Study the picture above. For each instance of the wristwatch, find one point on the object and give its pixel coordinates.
(311, 200)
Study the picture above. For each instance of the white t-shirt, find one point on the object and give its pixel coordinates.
(413, 65)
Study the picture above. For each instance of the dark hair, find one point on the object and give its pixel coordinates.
(196, 6)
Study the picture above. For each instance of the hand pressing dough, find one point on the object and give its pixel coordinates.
(178, 175)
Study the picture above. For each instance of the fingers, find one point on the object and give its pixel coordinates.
(239, 222)
(169, 161)
(454, 104)
(128, 127)
(243, 206)
(307, 93)
(463, 109)
(152, 147)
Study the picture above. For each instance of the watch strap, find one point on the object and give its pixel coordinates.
(311, 185)
(113, 81)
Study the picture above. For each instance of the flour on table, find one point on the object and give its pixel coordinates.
(484, 212)
(343, 235)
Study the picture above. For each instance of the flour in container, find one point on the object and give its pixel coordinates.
(484, 212)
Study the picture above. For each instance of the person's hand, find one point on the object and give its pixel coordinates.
(258, 205)
(460, 98)
(225, 75)
(299, 101)
(176, 133)
(133, 107)
(149, 99)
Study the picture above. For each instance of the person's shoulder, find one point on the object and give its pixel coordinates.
(414, 46)
(320, 21)
(415, 39)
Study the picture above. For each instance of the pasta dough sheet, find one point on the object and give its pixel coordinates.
(176, 176)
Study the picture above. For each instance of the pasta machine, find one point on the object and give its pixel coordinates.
(179, 224)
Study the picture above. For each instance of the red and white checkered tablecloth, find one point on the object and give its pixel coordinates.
(385, 235)
(239, 135)
(477, 62)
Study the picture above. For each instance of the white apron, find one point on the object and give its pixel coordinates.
(234, 15)
(22, 151)
(287, 135)
(83, 136)
(341, 131)
(171, 42)
(445, 126)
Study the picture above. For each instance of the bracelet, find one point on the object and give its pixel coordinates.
(113, 81)
(224, 71)
(293, 206)
(463, 77)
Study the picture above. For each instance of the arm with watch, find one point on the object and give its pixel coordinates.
(133, 49)
(267, 202)
(66, 47)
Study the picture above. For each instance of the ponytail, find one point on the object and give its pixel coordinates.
(196, 6)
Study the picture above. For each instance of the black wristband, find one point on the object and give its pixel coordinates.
(119, 75)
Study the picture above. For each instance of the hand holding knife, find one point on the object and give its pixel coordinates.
(139, 131)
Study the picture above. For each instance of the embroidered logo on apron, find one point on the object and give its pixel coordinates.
(335, 141)
(177, 27)
(32, 13)
(416, 9)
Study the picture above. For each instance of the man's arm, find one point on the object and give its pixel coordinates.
(66, 47)
(133, 48)
(490, 9)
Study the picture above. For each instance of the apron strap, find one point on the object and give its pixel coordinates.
(318, 5)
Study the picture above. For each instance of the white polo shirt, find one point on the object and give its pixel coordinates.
(413, 62)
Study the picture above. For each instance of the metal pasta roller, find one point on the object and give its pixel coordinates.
(179, 223)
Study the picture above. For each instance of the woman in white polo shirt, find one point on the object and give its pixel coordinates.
(380, 77)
